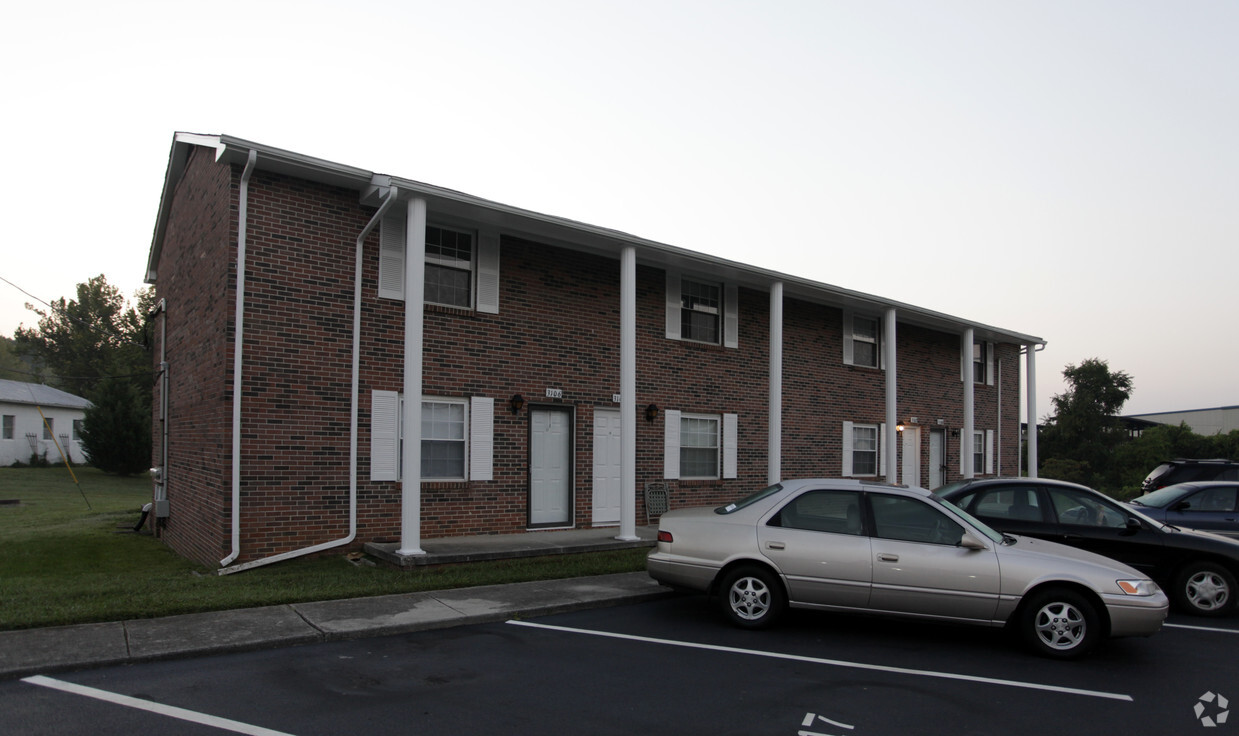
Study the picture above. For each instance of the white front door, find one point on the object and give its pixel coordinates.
(606, 467)
(911, 475)
(550, 467)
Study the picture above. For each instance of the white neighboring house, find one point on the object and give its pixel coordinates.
(24, 433)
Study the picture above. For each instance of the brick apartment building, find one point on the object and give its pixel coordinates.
(559, 367)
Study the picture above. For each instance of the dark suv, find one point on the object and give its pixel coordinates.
(1185, 471)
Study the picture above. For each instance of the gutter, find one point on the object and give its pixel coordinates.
(354, 410)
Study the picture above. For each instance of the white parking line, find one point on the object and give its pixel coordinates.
(152, 707)
(1200, 628)
(835, 662)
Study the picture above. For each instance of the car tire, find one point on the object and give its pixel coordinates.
(752, 597)
(1205, 589)
(1060, 623)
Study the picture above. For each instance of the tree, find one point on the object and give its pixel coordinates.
(96, 347)
(78, 342)
(12, 367)
(1085, 428)
(116, 433)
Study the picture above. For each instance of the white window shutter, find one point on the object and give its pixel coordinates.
(847, 449)
(482, 438)
(731, 426)
(989, 452)
(881, 469)
(989, 363)
(731, 316)
(671, 444)
(391, 257)
(847, 345)
(488, 272)
(384, 435)
(882, 344)
(673, 305)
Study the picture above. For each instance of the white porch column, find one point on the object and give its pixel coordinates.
(411, 418)
(966, 439)
(892, 410)
(1031, 379)
(774, 444)
(628, 394)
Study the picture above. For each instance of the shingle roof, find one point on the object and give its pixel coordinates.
(16, 392)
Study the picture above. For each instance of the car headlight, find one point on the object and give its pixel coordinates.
(1138, 587)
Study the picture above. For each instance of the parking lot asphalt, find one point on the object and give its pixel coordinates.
(38, 651)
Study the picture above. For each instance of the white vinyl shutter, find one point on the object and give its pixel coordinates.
(847, 449)
(989, 452)
(880, 471)
(731, 316)
(391, 257)
(673, 305)
(731, 426)
(482, 438)
(488, 272)
(384, 435)
(671, 444)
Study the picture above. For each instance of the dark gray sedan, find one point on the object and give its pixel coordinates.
(1207, 505)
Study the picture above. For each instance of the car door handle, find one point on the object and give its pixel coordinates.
(775, 545)
(888, 558)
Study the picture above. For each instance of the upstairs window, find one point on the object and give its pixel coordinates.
(862, 340)
(449, 267)
(701, 307)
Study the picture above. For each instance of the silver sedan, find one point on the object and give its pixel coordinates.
(843, 545)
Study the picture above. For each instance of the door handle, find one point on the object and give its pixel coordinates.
(775, 545)
(884, 557)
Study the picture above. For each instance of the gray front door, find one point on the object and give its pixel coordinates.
(550, 467)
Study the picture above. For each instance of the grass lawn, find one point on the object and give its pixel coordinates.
(64, 562)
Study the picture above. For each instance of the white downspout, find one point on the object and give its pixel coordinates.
(966, 447)
(354, 410)
(774, 441)
(998, 451)
(161, 484)
(238, 341)
(1031, 379)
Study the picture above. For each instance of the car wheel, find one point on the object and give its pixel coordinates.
(752, 597)
(1060, 623)
(1205, 589)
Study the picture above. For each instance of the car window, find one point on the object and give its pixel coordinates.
(749, 500)
(837, 512)
(1018, 503)
(907, 519)
(1082, 509)
(1217, 498)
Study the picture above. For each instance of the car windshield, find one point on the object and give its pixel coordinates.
(974, 521)
(1160, 498)
(749, 500)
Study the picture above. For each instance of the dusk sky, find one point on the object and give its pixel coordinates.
(1064, 169)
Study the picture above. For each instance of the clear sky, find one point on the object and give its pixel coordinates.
(1063, 168)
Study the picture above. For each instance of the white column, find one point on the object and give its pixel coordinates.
(892, 410)
(774, 444)
(628, 394)
(966, 438)
(411, 418)
(1031, 380)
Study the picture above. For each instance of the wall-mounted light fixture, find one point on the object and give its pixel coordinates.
(899, 427)
(651, 412)
(516, 403)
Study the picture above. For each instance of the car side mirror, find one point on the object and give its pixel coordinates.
(968, 541)
(1132, 526)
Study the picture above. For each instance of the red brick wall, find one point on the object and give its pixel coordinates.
(558, 327)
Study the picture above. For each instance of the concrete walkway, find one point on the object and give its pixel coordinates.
(41, 651)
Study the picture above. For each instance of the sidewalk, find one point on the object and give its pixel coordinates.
(41, 651)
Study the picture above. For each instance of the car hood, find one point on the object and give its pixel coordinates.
(1049, 553)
